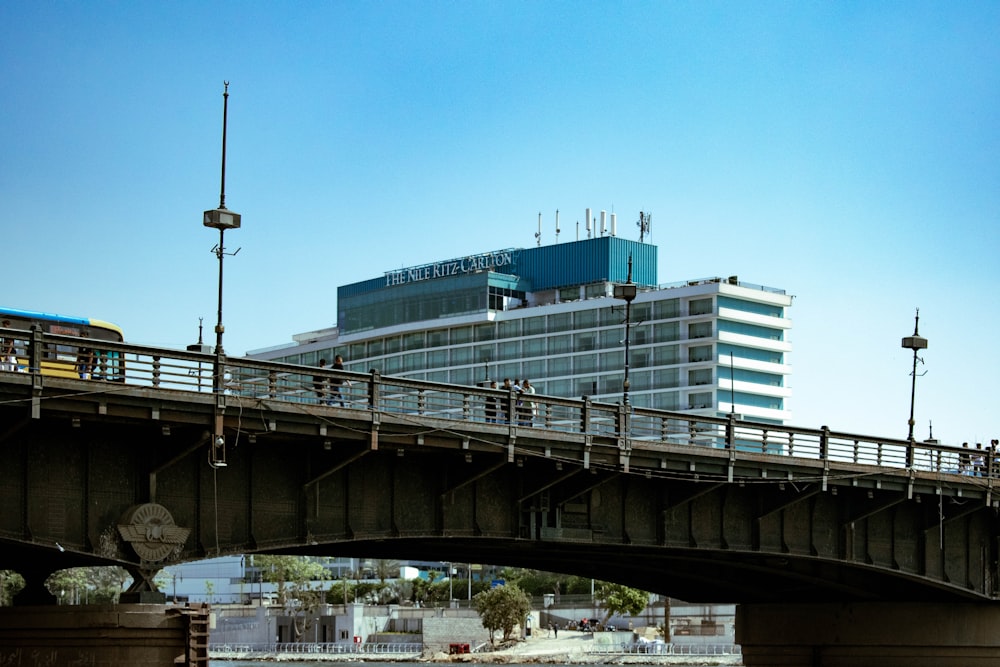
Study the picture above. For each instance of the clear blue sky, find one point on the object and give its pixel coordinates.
(848, 152)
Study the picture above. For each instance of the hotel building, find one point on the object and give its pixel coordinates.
(710, 346)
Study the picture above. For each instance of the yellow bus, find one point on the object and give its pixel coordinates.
(87, 360)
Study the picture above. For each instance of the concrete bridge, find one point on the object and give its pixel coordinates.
(837, 547)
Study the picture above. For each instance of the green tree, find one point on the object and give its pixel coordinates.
(502, 608)
(622, 600)
(11, 584)
(95, 585)
(301, 590)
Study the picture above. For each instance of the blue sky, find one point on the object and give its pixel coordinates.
(848, 152)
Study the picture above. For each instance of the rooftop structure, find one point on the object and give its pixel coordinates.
(716, 346)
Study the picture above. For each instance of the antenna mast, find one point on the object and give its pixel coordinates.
(645, 225)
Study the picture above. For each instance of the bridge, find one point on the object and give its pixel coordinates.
(144, 465)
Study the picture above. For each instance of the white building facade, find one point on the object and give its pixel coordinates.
(709, 346)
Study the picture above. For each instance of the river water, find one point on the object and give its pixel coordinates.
(696, 661)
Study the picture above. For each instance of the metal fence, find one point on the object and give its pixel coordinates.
(245, 380)
(221, 650)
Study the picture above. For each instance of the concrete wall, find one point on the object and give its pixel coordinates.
(97, 635)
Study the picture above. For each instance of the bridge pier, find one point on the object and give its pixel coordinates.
(874, 634)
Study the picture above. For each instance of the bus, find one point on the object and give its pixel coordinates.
(89, 361)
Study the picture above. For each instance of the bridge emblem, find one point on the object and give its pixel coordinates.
(151, 531)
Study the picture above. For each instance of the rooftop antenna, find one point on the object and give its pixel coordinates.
(645, 225)
(557, 225)
(538, 234)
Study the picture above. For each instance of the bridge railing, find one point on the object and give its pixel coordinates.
(324, 389)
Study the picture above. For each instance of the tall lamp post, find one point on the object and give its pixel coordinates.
(222, 219)
(627, 293)
(915, 342)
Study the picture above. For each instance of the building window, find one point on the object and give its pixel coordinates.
(667, 378)
(437, 338)
(611, 338)
(484, 353)
(667, 309)
(613, 361)
(534, 325)
(509, 350)
(666, 332)
(485, 332)
(569, 294)
(700, 353)
(666, 355)
(700, 307)
(559, 366)
(641, 335)
(560, 322)
(586, 342)
(560, 344)
(460, 376)
(392, 365)
(700, 376)
(700, 400)
(585, 363)
(413, 341)
(534, 369)
(461, 335)
(392, 345)
(699, 330)
(641, 312)
(585, 319)
(508, 329)
(437, 359)
(534, 347)
(375, 347)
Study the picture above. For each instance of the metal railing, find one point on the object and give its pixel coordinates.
(663, 648)
(243, 380)
(314, 648)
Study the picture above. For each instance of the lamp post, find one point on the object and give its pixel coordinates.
(627, 293)
(915, 342)
(222, 219)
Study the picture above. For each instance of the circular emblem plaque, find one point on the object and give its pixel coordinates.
(151, 531)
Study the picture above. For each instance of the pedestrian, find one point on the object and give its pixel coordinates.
(8, 356)
(320, 385)
(505, 417)
(336, 383)
(492, 405)
(964, 460)
(84, 359)
(527, 410)
(979, 460)
(555, 631)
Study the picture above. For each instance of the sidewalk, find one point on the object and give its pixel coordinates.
(576, 647)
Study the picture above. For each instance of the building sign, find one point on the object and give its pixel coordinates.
(453, 267)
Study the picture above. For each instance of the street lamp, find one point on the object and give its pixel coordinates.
(914, 342)
(627, 293)
(222, 219)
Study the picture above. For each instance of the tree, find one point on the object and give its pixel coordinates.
(502, 608)
(299, 592)
(11, 584)
(99, 585)
(622, 600)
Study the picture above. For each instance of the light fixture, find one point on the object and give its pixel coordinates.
(627, 293)
(217, 454)
(915, 342)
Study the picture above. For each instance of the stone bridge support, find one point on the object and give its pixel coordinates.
(873, 634)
